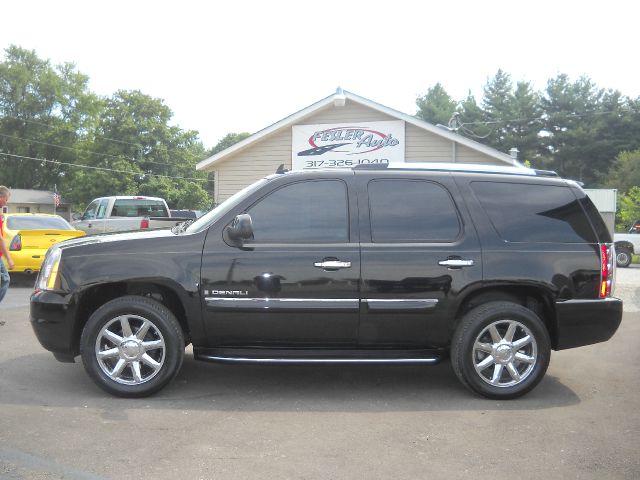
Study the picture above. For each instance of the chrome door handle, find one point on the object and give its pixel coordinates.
(332, 264)
(456, 263)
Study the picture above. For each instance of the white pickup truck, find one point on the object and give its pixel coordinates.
(125, 213)
(627, 244)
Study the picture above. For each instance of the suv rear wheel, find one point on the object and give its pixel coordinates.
(132, 346)
(500, 350)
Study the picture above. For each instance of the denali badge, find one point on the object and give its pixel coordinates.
(227, 293)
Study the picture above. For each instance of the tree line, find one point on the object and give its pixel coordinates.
(56, 132)
(582, 131)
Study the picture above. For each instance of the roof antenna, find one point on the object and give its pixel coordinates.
(281, 169)
(339, 98)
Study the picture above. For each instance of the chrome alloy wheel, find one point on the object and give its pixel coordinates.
(505, 353)
(130, 350)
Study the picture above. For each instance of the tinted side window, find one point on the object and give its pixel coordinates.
(596, 220)
(411, 211)
(523, 212)
(305, 212)
(90, 212)
(125, 207)
(102, 209)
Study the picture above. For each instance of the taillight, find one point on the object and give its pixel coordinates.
(144, 223)
(16, 243)
(607, 270)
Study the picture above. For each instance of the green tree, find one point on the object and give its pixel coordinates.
(227, 141)
(624, 172)
(436, 106)
(512, 116)
(472, 118)
(576, 127)
(133, 127)
(522, 131)
(45, 112)
(628, 208)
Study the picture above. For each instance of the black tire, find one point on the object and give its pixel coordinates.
(137, 362)
(476, 344)
(623, 257)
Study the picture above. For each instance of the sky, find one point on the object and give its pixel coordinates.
(237, 66)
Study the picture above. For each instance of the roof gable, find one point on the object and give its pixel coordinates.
(21, 195)
(338, 99)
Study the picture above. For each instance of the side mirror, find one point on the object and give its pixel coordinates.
(240, 229)
(75, 217)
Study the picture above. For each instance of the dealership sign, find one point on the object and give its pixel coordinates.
(347, 144)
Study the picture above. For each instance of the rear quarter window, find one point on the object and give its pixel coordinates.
(139, 208)
(524, 212)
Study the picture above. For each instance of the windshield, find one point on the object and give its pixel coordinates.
(37, 223)
(210, 217)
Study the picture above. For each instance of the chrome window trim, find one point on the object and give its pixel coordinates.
(400, 304)
(324, 303)
(284, 303)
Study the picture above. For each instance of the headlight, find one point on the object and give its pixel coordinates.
(49, 271)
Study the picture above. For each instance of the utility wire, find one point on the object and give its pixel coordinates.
(102, 168)
(541, 118)
(52, 126)
(29, 140)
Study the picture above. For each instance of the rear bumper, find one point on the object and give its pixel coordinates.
(27, 260)
(584, 322)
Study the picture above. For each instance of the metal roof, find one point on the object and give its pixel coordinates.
(41, 197)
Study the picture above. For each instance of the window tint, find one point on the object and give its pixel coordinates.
(37, 223)
(90, 212)
(596, 220)
(411, 211)
(102, 209)
(133, 207)
(306, 212)
(523, 212)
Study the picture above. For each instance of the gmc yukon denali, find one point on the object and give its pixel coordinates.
(493, 267)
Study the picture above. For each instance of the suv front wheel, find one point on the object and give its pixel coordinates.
(500, 350)
(132, 346)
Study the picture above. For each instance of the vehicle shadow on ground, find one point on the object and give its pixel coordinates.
(331, 388)
(24, 280)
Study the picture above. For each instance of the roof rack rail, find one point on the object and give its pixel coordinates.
(371, 166)
(457, 167)
(281, 169)
(546, 173)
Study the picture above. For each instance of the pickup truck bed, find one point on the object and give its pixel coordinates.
(126, 213)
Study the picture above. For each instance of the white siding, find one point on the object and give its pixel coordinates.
(605, 200)
(468, 155)
(263, 158)
(251, 164)
(423, 146)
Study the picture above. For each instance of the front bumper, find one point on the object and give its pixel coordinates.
(52, 316)
(584, 322)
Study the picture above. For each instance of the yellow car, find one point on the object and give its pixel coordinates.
(28, 236)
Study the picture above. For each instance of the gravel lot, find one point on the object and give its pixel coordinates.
(241, 422)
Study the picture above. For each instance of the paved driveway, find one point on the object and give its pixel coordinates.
(331, 422)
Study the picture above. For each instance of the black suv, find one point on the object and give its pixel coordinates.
(492, 266)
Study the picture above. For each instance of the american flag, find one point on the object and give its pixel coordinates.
(56, 199)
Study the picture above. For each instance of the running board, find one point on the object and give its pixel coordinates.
(308, 356)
